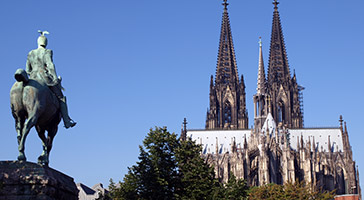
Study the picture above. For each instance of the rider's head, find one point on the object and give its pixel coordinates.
(42, 40)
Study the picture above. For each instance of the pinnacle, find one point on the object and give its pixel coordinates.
(261, 73)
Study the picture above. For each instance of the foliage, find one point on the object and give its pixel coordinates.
(268, 192)
(121, 191)
(235, 189)
(197, 177)
(155, 175)
(288, 191)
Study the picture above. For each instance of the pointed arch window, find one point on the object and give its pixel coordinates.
(281, 117)
(227, 113)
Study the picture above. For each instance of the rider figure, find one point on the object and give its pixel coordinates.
(40, 65)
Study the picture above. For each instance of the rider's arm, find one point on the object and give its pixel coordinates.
(28, 66)
(50, 66)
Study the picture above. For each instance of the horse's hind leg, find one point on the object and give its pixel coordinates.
(43, 158)
(51, 134)
(32, 120)
(19, 125)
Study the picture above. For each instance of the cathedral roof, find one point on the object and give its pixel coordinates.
(224, 139)
(321, 136)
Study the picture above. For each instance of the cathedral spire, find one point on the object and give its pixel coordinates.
(227, 94)
(278, 68)
(285, 92)
(226, 70)
(261, 73)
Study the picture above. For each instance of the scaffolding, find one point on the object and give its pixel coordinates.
(300, 99)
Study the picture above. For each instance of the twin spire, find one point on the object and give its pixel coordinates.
(278, 68)
(226, 70)
(227, 95)
(278, 63)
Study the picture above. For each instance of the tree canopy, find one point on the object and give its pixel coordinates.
(168, 168)
(288, 191)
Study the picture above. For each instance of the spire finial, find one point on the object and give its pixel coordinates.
(184, 130)
(185, 124)
(260, 41)
(275, 2)
(225, 4)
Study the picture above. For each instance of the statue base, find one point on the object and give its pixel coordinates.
(26, 180)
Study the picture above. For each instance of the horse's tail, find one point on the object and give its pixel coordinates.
(21, 76)
(16, 98)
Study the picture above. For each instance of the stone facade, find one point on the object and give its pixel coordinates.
(278, 148)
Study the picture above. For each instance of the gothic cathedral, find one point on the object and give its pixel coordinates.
(278, 148)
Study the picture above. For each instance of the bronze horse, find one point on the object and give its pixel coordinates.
(34, 104)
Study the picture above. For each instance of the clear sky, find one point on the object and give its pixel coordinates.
(128, 66)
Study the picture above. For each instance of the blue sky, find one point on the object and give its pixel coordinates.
(128, 66)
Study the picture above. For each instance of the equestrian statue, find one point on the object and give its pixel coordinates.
(37, 100)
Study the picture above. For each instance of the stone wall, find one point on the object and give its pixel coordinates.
(26, 180)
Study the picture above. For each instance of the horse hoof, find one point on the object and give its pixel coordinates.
(42, 160)
(22, 157)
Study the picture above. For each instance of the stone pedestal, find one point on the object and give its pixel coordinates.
(26, 180)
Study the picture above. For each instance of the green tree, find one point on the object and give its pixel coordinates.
(197, 177)
(114, 191)
(155, 175)
(288, 191)
(235, 189)
(268, 192)
(126, 189)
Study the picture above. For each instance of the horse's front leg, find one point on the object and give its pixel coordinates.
(32, 120)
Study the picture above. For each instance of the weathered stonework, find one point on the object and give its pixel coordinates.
(26, 180)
